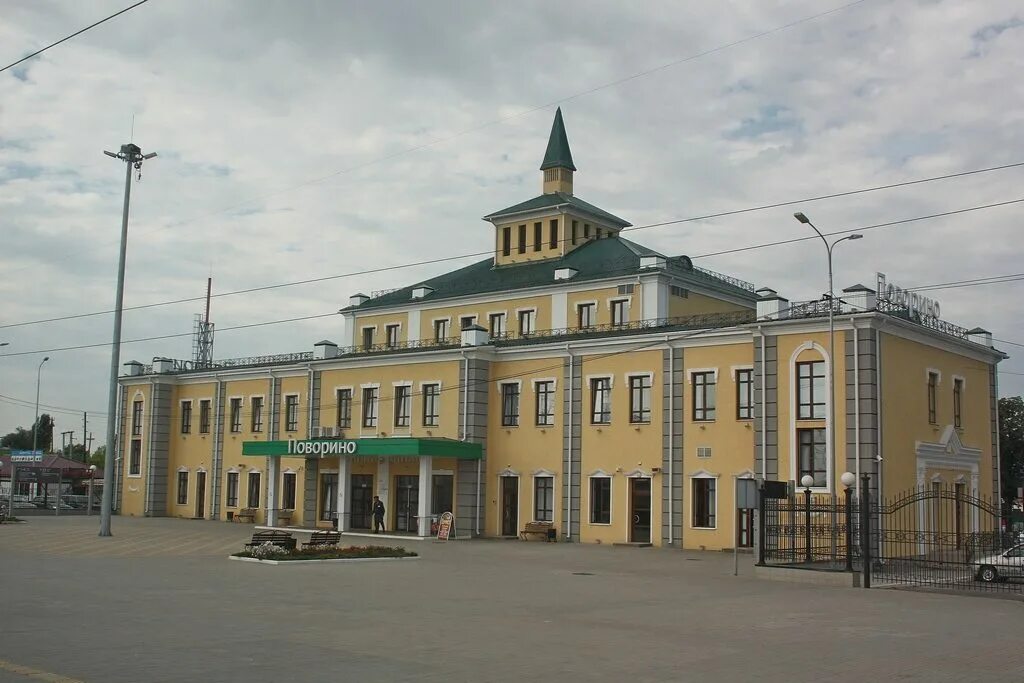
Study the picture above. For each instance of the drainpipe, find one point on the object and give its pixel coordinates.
(764, 417)
(147, 500)
(878, 404)
(856, 402)
(309, 401)
(568, 478)
(671, 434)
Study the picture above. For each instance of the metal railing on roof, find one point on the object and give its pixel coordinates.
(818, 308)
(377, 293)
(728, 279)
(688, 322)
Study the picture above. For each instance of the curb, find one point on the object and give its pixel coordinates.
(339, 560)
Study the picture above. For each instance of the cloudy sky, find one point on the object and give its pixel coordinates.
(301, 140)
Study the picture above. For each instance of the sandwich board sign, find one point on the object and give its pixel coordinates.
(444, 526)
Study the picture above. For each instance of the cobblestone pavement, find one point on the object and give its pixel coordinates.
(160, 602)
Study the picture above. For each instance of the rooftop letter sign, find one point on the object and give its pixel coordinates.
(918, 306)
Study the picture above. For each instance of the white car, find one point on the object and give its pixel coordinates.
(997, 566)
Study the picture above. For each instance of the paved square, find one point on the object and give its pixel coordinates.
(160, 602)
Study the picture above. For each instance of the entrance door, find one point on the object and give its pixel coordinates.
(510, 506)
(362, 501)
(745, 528)
(407, 503)
(640, 510)
(200, 495)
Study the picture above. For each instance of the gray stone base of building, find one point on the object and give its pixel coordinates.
(809, 576)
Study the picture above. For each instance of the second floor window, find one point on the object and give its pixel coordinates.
(538, 236)
(509, 405)
(553, 242)
(392, 335)
(574, 236)
(368, 337)
(236, 415)
(506, 241)
(135, 457)
(933, 382)
(467, 321)
(403, 405)
(137, 418)
(256, 408)
(343, 418)
(744, 394)
(958, 391)
(291, 413)
(813, 456)
(586, 315)
(204, 417)
(704, 396)
(431, 404)
(440, 330)
(600, 400)
(497, 322)
(810, 390)
(527, 321)
(522, 239)
(186, 417)
(640, 399)
(620, 312)
(370, 395)
(545, 403)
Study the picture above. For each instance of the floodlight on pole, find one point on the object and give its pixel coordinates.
(35, 425)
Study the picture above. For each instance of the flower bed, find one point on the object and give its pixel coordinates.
(268, 551)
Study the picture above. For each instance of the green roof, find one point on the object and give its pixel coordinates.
(557, 154)
(593, 260)
(553, 199)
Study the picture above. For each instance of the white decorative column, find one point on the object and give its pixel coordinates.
(383, 484)
(273, 475)
(344, 491)
(426, 489)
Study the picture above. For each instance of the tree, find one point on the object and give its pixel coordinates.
(1011, 447)
(98, 457)
(21, 439)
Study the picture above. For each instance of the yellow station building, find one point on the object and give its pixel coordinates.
(576, 378)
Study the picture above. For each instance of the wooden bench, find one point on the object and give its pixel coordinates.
(282, 539)
(542, 529)
(323, 538)
(245, 516)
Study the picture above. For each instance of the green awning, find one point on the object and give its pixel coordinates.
(402, 447)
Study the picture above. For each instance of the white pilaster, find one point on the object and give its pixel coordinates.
(344, 491)
(383, 484)
(413, 333)
(273, 476)
(654, 299)
(426, 489)
(559, 310)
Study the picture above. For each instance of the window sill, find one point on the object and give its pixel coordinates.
(639, 423)
(600, 523)
(510, 426)
(600, 424)
(704, 528)
(544, 426)
(133, 476)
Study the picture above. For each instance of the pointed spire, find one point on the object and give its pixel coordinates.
(557, 154)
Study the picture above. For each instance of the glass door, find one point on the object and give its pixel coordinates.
(328, 497)
(362, 501)
(407, 503)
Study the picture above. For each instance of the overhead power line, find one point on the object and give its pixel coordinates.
(76, 33)
(720, 214)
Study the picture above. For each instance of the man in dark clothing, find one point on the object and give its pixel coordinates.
(378, 515)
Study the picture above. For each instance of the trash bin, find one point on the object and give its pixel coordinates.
(552, 536)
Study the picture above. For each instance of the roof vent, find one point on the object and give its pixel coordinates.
(134, 368)
(325, 349)
(475, 335)
(771, 306)
(565, 273)
(860, 298)
(161, 365)
(358, 299)
(980, 336)
(647, 262)
(421, 291)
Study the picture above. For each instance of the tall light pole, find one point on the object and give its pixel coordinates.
(35, 425)
(829, 247)
(133, 157)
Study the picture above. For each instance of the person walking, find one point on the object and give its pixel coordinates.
(378, 515)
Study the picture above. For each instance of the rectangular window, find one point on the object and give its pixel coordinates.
(291, 413)
(677, 291)
(640, 399)
(288, 494)
(256, 407)
(232, 489)
(585, 315)
(553, 234)
(600, 400)
(704, 503)
(506, 241)
(522, 239)
(431, 404)
(574, 231)
(403, 405)
(704, 396)
(620, 312)
(440, 330)
(368, 337)
(933, 382)
(204, 417)
(186, 417)
(813, 460)
(370, 395)
(545, 403)
(958, 391)
(509, 405)
(182, 488)
(391, 332)
(586, 231)
(745, 394)
(543, 499)
(236, 415)
(810, 390)
(526, 322)
(253, 499)
(343, 420)
(135, 460)
(538, 236)
(137, 418)
(497, 324)
(467, 321)
(600, 500)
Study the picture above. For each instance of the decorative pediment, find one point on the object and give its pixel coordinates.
(542, 473)
(508, 472)
(745, 474)
(599, 473)
(638, 473)
(949, 447)
(703, 474)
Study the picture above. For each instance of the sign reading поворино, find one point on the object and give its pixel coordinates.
(322, 448)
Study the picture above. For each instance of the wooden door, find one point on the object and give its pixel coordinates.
(510, 506)
(200, 495)
(640, 510)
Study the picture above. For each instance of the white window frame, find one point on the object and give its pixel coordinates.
(628, 300)
(703, 474)
(398, 337)
(629, 403)
(532, 310)
(794, 446)
(352, 405)
(394, 405)
(590, 394)
(440, 389)
(177, 481)
(504, 321)
(263, 413)
(362, 334)
(554, 391)
(362, 427)
(501, 402)
(298, 405)
(241, 414)
(580, 304)
(191, 416)
(433, 327)
(543, 474)
(601, 474)
(475, 318)
(248, 478)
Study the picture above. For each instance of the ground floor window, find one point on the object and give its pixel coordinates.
(544, 499)
(135, 458)
(704, 505)
(600, 500)
(288, 494)
(443, 494)
(232, 489)
(328, 496)
(813, 456)
(254, 490)
(182, 488)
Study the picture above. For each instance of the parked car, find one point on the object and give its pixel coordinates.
(1000, 565)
